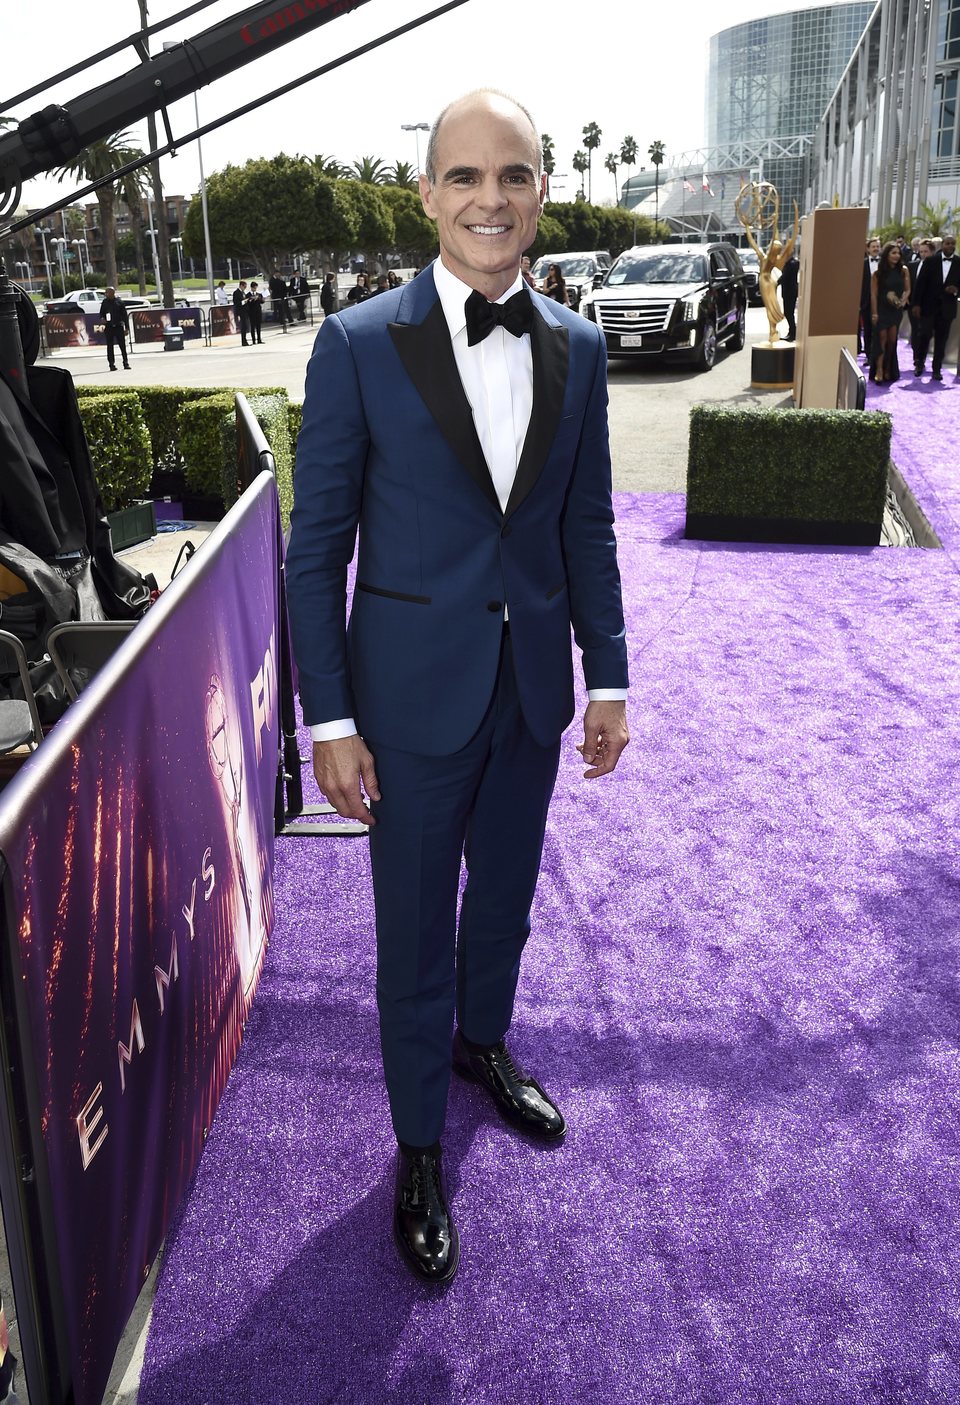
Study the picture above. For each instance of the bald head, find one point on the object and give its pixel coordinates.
(481, 102)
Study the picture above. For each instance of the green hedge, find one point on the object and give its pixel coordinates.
(201, 442)
(815, 476)
(119, 446)
(161, 406)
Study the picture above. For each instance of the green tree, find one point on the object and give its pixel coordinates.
(403, 174)
(580, 223)
(616, 229)
(549, 160)
(327, 166)
(369, 170)
(580, 163)
(99, 159)
(338, 221)
(132, 189)
(415, 236)
(656, 153)
(937, 220)
(611, 164)
(628, 153)
(591, 141)
(260, 211)
(551, 238)
(375, 229)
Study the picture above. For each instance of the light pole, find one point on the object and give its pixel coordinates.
(46, 261)
(416, 128)
(86, 255)
(179, 243)
(26, 274)
(58, 245)
(203, 192)
(153, 244)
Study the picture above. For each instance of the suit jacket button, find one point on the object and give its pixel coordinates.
(494, 606)
(505, 531)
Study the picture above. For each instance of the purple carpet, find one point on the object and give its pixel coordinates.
(741, 988)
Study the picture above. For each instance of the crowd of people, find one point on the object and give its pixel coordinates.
(288, 302)
(919, 280)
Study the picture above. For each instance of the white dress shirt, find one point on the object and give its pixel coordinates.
(497, 379)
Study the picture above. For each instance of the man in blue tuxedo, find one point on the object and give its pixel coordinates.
(459, 422)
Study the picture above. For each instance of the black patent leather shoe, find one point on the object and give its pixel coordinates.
(518, 1098)
(422, 1226)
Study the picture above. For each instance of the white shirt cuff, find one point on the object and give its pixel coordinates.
(607, 694)
(333, 731)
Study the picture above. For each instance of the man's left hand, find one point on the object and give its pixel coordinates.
(605, 734)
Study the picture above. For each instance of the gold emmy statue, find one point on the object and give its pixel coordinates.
(758, 209)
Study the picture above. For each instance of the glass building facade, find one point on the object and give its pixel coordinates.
(945, 137)
(773, 77)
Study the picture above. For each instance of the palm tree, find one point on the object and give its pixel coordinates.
(611, 164)
(402, 173)
(549, 161)
(591, 140)
(581, 162)
(370, 170)
(327, 166)
(628, 153)
(95, 161)
(938, 219)
(133, 187)
(656, 154)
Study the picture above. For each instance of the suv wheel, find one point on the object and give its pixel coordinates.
(707, 351)
(739, 339)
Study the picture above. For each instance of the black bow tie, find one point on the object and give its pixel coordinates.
(515, 315)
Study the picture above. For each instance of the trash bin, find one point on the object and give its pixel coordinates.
(173, 339)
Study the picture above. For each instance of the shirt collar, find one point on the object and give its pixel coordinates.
(453, 294)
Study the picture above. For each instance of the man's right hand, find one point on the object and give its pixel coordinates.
(340, 767)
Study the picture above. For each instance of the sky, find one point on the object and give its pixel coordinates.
(631, 66)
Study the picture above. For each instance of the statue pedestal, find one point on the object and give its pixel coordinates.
(771, 366)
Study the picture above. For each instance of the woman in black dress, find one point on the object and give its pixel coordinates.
(889, 295)
(553, 285)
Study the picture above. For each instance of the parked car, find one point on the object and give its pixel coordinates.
(89, 300)
(751, 271)
(579, 271)
(674, 300)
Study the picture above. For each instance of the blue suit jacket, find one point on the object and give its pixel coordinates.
(388, 445)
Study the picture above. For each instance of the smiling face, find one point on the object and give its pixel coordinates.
(487, 195)
(873, 249)
(949, 246)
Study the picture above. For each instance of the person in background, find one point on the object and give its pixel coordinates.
(328, 295)
(889, 295)
(242, 310)
(865, 325)
(935, 304)
(554, 286)
(525, 272)
(255, 314)
(360, 290)
(299, 292)
(789, 288)
(114, 316)
(383, 285)
(220, 296)
(278, 296)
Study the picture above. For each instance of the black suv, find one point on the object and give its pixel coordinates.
(676, 300)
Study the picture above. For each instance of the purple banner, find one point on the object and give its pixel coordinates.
(139, 840)
(74, 329)
(150, 323)
(223, 322)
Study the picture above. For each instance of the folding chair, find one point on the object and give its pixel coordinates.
(82, 647)
(19, 718)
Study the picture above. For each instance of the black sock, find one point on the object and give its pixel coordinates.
(410, 1151)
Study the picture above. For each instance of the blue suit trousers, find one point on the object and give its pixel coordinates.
(486, 803)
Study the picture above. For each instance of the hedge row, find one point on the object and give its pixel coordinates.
(189, 429)
(119, 446)
(787, 475)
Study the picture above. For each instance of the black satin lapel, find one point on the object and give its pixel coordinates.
(427, 355)
(551, 354)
